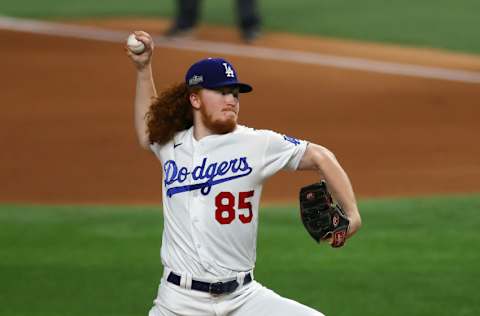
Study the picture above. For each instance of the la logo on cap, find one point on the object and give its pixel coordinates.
(228, 70)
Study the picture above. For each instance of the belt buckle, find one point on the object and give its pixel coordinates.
(216, 288)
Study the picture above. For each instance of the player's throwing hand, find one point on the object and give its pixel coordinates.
(141, 60)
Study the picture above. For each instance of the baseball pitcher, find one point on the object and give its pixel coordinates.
(213, 173)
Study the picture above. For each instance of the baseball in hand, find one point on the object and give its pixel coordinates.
(134, 45)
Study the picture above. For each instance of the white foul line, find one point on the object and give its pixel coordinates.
(93, 33)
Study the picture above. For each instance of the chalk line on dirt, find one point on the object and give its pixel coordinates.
(222, 48)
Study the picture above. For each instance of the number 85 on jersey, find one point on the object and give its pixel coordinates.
(227, 208)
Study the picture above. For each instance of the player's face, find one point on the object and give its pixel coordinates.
(219, 109)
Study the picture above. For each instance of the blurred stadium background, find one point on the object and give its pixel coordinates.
(393, 88)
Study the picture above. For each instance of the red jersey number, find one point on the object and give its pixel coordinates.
(225, 211)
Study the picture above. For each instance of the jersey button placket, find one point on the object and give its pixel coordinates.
(197, 161)
(196, 203)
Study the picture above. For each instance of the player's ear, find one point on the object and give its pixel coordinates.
(195, 100)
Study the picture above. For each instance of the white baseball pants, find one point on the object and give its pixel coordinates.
(252, 299)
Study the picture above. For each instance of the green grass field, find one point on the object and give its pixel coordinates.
(443, 24)
(413, 256)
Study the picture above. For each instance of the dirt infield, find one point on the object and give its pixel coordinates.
(67, 127)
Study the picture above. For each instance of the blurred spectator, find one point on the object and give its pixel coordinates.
(188, 14)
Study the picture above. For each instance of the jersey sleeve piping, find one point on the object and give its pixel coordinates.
(299, 157)
(264, 153)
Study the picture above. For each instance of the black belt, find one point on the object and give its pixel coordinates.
(216, 288)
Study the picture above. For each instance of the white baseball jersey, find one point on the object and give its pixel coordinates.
(211, 194)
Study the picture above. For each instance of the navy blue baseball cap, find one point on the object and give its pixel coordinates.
(212, 73)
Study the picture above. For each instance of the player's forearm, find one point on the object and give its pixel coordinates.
(144, 94)
(340, 187)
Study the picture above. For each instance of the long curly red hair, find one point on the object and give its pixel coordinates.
(170, 113)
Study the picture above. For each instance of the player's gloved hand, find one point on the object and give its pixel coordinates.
(141, 61)
(323, 219)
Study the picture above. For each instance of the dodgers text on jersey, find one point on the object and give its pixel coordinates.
(213, 172)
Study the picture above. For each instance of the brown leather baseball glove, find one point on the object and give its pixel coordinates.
(323, 219)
